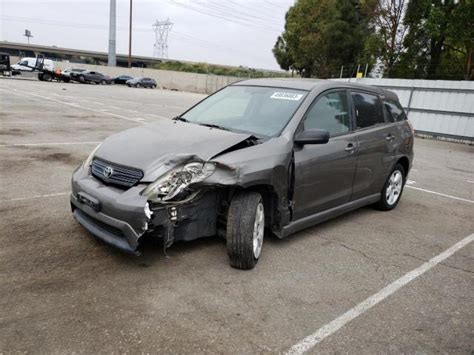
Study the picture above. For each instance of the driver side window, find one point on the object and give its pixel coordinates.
(330, 112)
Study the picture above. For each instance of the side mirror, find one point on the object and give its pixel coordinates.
(312, 136)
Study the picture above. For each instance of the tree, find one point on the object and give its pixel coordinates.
(389, 32)
(282, 56)
(320, 36)
(439, 41)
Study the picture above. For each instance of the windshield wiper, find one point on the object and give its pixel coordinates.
(179, 118)
(212, 125)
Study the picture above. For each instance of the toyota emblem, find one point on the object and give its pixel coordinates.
(108, 171)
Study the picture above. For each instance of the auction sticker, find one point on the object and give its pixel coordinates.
(286, 96)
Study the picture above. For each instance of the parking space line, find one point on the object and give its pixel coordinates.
(439, 194)
(74, 105)
(36, 196)
(45, 144)
(312, 340)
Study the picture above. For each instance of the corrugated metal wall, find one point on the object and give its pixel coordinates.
(435, 107)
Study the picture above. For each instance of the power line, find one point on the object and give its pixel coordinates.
(234, 19)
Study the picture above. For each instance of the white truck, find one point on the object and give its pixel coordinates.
(28, 64)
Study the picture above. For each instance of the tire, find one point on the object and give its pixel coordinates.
(82, 79)
(392, 189)
(138, 86)
(153, 86)
(245, 230)
(47, 77)
(103, 82)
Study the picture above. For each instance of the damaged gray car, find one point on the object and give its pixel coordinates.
(259, 156)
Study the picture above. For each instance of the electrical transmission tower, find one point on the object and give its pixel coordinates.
(161, 29)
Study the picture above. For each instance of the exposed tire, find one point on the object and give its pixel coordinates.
(393, 189)
(153, 86)
(138, 86)
(82, 79)
(103, 82)
(245, 230)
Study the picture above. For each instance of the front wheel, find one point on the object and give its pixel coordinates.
(103, 82)
(138, 86)
(392, 190)
(245, 230)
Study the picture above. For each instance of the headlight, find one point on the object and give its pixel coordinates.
(88, 161)
(175, 184)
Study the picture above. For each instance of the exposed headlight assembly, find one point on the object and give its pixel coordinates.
(88, 161)
(175, 184)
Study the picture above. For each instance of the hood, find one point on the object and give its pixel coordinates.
(157, 147)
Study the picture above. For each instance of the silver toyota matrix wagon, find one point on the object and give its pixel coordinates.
(259, 156)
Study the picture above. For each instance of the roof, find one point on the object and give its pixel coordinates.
(314, 84)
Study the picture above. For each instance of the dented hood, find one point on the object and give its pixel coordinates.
(157, 147)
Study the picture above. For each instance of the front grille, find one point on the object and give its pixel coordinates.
(114, 174)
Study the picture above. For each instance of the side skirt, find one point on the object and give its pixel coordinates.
(323, 216)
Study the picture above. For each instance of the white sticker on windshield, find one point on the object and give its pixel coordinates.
(286, 96)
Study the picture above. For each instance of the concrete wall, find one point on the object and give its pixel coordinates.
(182, 81)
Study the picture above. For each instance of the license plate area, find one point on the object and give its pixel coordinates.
(88, 200)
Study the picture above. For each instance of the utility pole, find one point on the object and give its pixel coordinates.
(112, 62)
(161, 29)
(130, 38)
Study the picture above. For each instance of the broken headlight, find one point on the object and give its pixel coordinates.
(175, 185)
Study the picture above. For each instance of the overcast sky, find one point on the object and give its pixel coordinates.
(233, 32)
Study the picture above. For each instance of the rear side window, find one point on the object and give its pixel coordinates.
(394, 111)
(368, 109)
(331, 113)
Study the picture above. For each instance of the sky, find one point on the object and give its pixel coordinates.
(230, 32)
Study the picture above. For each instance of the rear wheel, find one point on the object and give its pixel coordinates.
(392, 190)
(153, 86)
(138, 86)
(82, 79)
(245, 230)
(103, 82)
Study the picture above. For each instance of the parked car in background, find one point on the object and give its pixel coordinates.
(122, 79)
(142, 83)
(266, 154)
(90, 76)
(70, 74)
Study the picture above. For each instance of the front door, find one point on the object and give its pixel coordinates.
(324, 173)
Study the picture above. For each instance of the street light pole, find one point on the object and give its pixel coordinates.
(130, 38)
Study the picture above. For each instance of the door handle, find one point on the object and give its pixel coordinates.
(350, 147)
(390, 137)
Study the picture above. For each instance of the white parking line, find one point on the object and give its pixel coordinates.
(333, 326)
(470, 181)
(439, 194)
(152, 114)
(72, 104)
(36, 196)
(45, 144)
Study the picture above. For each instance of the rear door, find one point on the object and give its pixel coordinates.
(376, 144)
(324, 173)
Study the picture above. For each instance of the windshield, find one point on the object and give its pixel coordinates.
(262, 111)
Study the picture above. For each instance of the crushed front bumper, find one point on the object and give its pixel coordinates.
(119, 217)
(116, 216)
